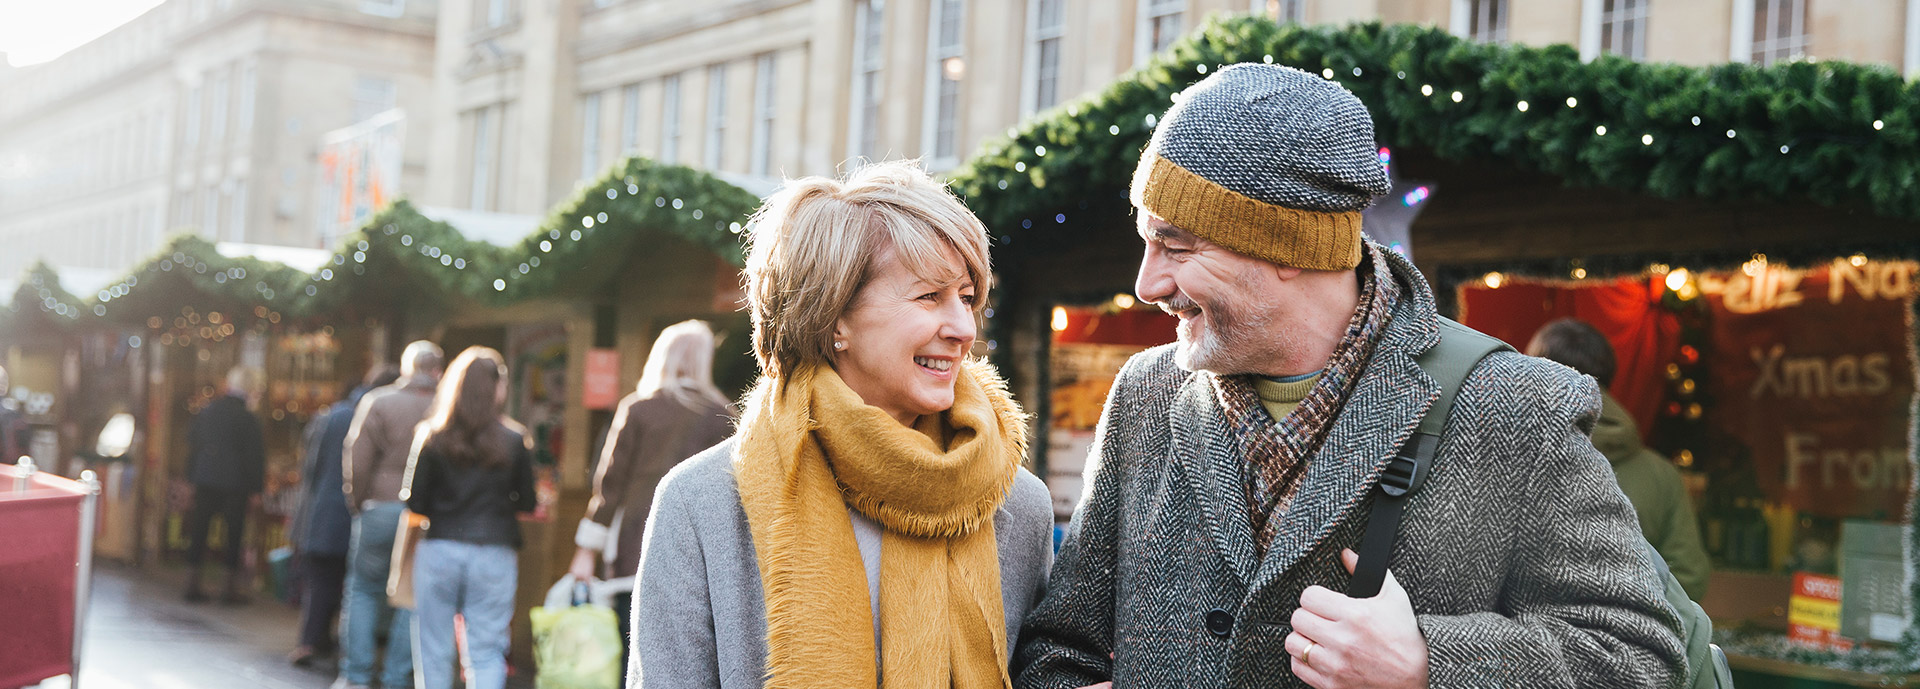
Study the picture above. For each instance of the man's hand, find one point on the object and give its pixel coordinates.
(1342, 643)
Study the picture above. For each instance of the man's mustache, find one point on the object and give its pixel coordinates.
(1176, 304)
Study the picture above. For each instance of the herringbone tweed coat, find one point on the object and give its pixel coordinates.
(1520, 554)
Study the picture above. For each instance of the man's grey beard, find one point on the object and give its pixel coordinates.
(1232, 342)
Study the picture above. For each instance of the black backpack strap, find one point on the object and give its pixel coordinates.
(1449, 362)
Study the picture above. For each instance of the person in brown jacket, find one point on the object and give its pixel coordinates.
(373, 470)
(674, 413)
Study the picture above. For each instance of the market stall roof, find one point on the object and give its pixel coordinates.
(76, 279)
(498, 229)
(1832, 134)
(639, 205)
(408, 256)
(298, 258)
(38, 306)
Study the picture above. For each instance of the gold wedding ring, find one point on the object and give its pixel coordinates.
(1306, 654)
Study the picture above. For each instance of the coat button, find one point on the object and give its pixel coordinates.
(1220, 622)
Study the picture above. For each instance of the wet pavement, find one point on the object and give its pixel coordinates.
(141, 635)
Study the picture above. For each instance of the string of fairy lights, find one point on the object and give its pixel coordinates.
(354, 257)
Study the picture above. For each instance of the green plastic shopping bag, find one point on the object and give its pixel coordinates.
(576, 647)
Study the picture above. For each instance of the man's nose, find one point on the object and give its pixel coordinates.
(1154, 283)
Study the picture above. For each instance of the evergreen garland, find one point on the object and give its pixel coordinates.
(1833, 133)
(39, 304)
(188, 273)
(402, 252)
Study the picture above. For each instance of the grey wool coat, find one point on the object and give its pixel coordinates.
(1521, 557)
(699, 611)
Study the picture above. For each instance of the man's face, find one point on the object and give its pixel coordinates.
(1226, 302)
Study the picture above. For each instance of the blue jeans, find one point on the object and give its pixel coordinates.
(476, 581)
(369, 556)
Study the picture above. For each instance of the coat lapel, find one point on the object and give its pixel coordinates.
(1379, 415)
(1206, 454)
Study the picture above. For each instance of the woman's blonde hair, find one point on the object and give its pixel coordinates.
(813, 244)
(681, 366)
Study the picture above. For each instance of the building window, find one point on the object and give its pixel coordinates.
(211, 228)
(372, 96)
(217, 109)
(1481, 20)
(1046, 29)
(482, 184)
(490, 13)
(946, 66)
(384, 8)
(1623, 28)
(670, 119)
(1294, 11)
(869, 32)
(157, 128)
(191, 136)
(1779, 30)
(589, 135)
(1283, 11)
(629, 118)
(238, 214)
(243, 121)
(1160, 22)
(764, 94)
(716, 115)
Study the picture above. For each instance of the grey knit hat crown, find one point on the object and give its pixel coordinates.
(1269, 161)
(1279, 135)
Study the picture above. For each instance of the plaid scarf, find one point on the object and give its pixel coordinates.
(1275, 452)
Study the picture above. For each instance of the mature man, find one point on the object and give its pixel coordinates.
(1651, 483)
(1233, 469)
(373, 467)
(226, 464)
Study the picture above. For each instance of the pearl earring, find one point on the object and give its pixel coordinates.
(840, 346)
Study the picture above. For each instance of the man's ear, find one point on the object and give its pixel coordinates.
(1286, 272)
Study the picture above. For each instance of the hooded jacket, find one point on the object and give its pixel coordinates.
(1658, 495)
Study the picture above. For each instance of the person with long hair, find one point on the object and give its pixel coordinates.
(870, 523)
(674, 412)
(470, 471)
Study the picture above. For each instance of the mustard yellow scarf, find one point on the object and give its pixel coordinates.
(809, 449)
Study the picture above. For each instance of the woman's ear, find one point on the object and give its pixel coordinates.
(841, 335)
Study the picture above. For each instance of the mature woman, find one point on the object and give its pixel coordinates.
(675, 412)
(470, 472)
(869, 524)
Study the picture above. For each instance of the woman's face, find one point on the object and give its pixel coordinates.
(905, 338)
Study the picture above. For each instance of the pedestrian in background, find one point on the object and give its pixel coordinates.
(1651, 482)
(675, 412)
(13, 424)
(324, 526)
(870, 518)
(471, 474)
(374, 466)
(226, 464)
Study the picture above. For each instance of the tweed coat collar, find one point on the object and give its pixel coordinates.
(1381, 412)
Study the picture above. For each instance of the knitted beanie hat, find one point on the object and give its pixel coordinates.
(1267, 161)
